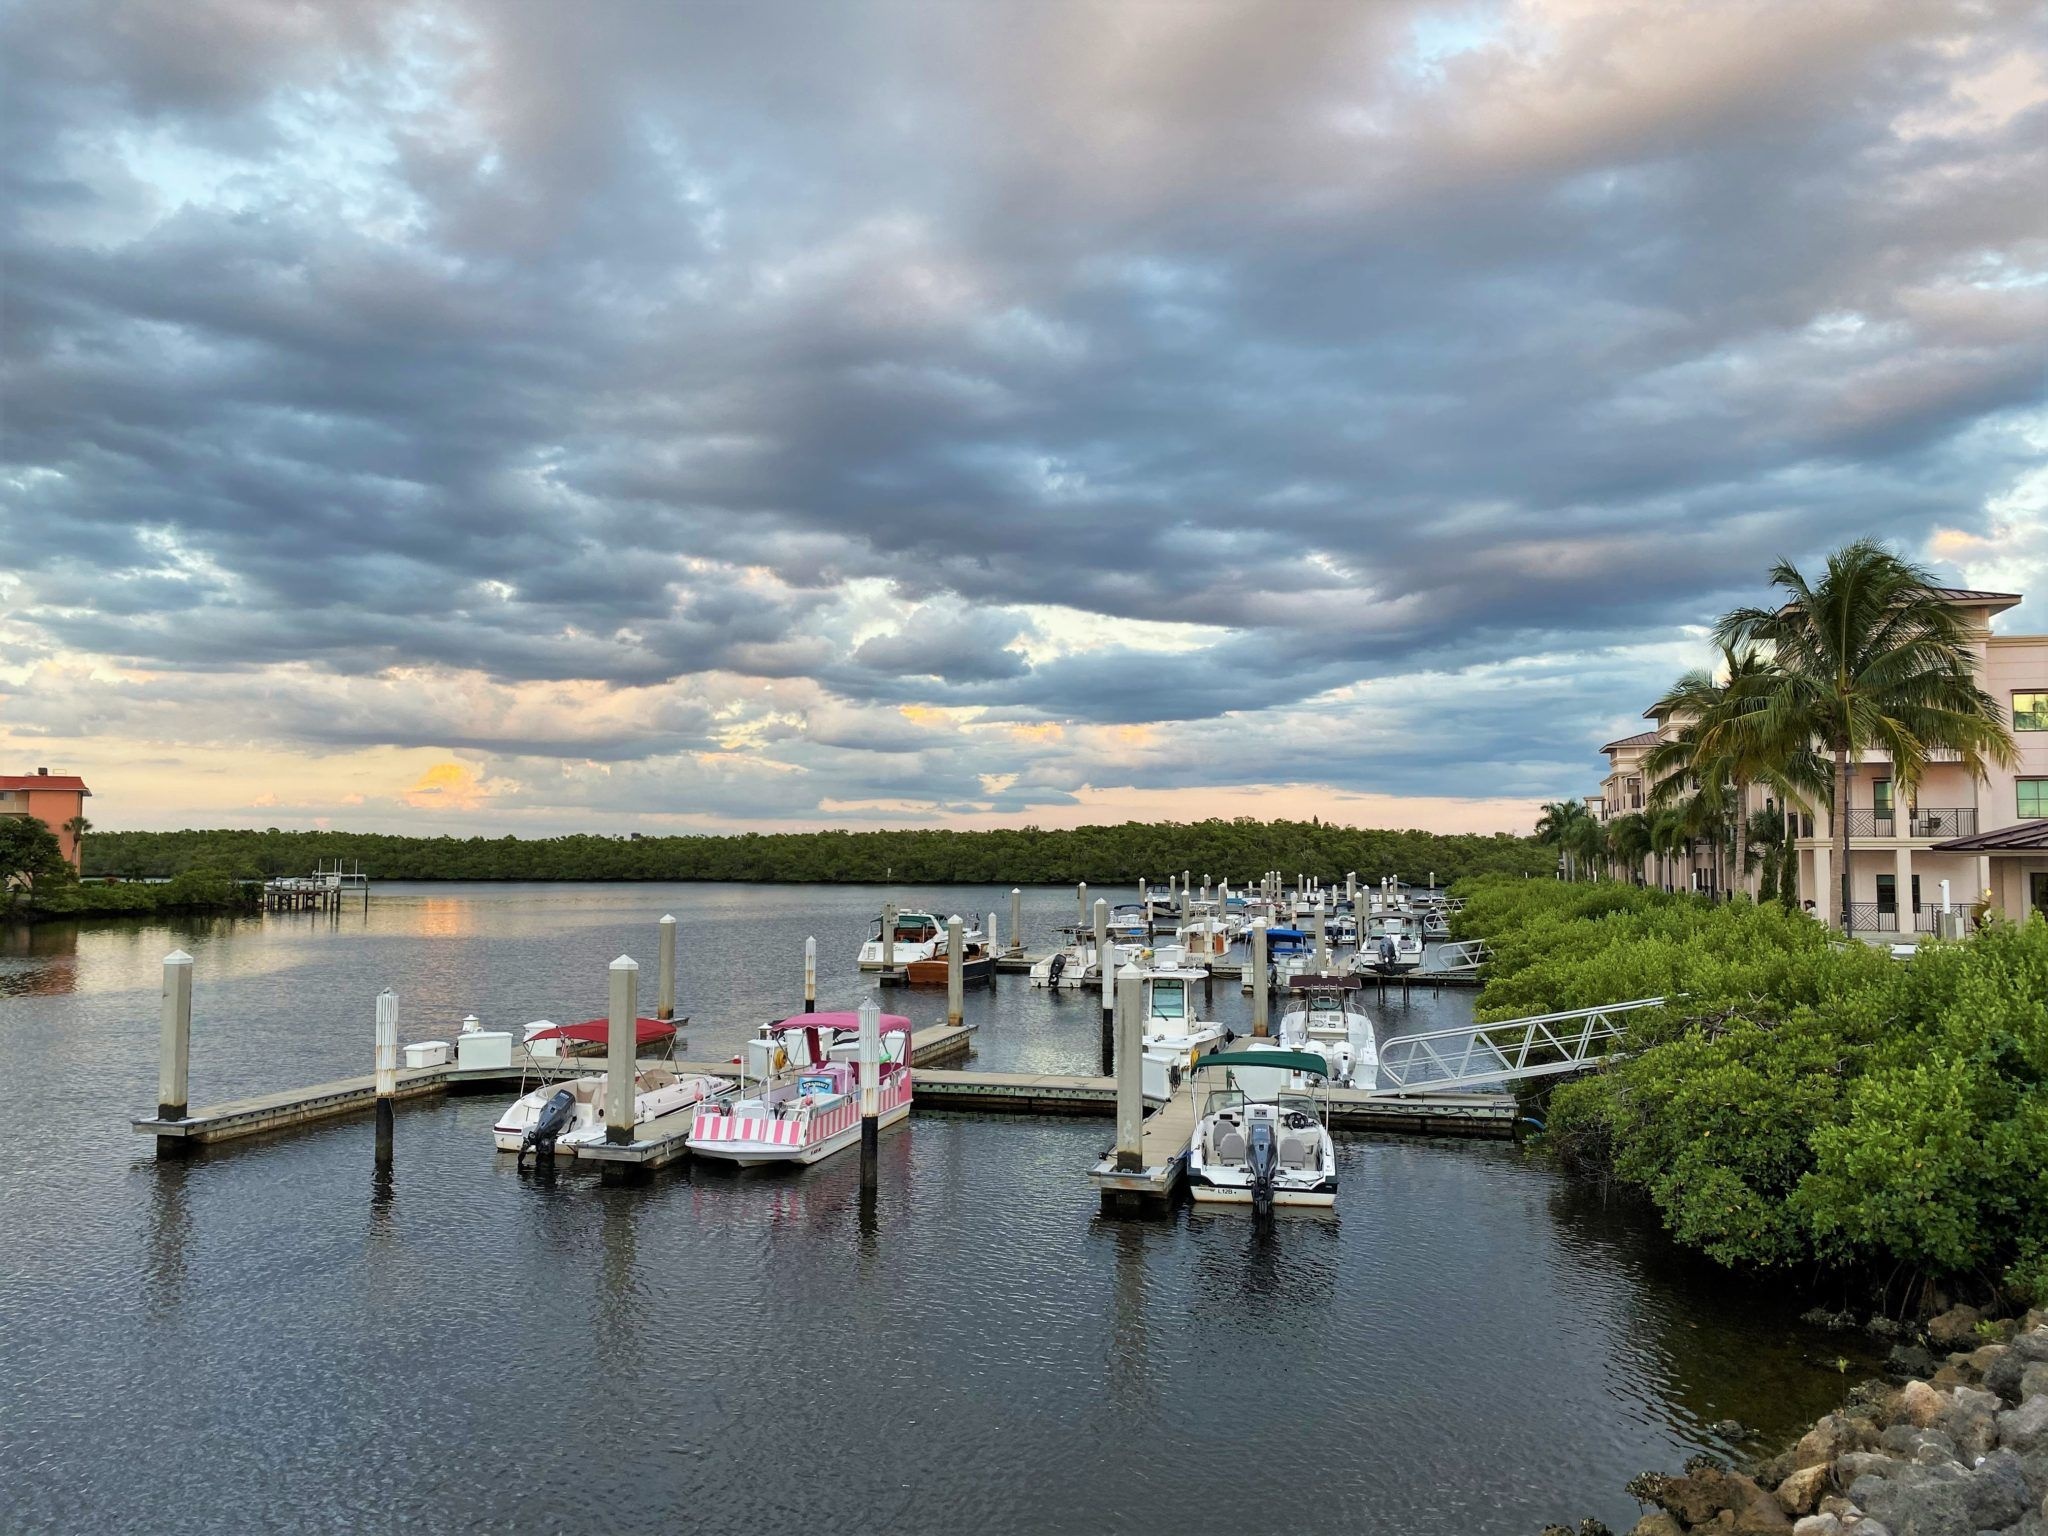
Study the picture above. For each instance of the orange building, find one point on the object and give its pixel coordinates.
(52, 798)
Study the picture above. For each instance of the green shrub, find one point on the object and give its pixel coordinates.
(1797, 1099)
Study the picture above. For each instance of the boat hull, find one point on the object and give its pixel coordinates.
(755, 1154)
(1223, 1194)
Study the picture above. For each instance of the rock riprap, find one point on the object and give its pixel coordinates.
(1962, 1454)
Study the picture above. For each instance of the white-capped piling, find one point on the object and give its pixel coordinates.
(1205, 887)
(1130, 1070)
(1322, 940)
(665, 1008)
(1081, 906)
(1259, 979)
(619, 1050)
(1187, 902)
(1105, 962)
(956, 983)
(889, 936)
(1351, 888)
(870, 1093)
(1016, 921)
(387, 1071)
(174, 1065)
(1432, 879)
(810, 975)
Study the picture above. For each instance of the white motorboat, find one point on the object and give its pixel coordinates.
(1206, 934)
(1261, 1139)
(1321, 1017)
(1172, 1027)
(919, 936)
(1397, 950)
(566, 1116)
(804, 1103)
(1075, 964)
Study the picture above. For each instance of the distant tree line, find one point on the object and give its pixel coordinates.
(1234, 850)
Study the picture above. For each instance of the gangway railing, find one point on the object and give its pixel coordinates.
(1513, 1050)
(1461, 955)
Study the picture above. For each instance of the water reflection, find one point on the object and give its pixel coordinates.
(168, 1235)
(53, 947)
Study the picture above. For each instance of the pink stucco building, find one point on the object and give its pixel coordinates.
(51, 798)
(1982, 834)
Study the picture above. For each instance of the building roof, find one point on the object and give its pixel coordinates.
(2024, 837)
(13, 781)
(1640, 739)
(1972, 595)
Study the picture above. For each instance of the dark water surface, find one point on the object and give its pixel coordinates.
(269, 1338)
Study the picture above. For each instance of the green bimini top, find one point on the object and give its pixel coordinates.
(1285, 1061)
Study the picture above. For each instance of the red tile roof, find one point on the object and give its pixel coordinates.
(12, 781)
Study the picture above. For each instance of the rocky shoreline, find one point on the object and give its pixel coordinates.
(1964, 1453)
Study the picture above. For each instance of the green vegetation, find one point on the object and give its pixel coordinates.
(1235, 850)
(37, 881)
(1801, 1101)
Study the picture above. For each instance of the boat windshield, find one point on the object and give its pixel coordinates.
(1169, 1000)
(1223, 1098)
(1302, 1101)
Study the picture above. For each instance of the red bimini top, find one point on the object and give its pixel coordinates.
(599, 1032)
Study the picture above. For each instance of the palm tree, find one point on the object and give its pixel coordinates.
(1629, 838)
(1586, 838)
(1717, 760)
(78, 826)
(1667, 836)
(1870, 656)
(1555, 826)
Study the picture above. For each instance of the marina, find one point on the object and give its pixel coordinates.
(984, 1219)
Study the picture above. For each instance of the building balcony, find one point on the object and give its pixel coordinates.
(1929, 821)
(1875, 917)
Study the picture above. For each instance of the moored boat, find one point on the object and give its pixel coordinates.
(1321, 1017)
(1261, 1139)
(803, 1104)
(918, 936)
(545, 1040)
(570, 1115)
(1172, 1027)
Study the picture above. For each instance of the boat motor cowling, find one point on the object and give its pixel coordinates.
(553, 1119)
(1262, 1162)
(1059, 968)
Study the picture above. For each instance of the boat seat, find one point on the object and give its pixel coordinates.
(1293, 1152)
(1229, 1144)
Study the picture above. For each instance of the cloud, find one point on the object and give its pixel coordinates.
(694, 393)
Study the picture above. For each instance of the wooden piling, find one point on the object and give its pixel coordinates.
(619, 1051)
(666, 1008)
(1130, 1069)
(1322, 940)
(1105, 960)
(1081, 903)
(956, 955)
(386, 1071)
(1016, 921)
(1260, 1005)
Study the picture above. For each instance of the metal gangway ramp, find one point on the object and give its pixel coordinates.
(1461, 955)
(1475, 1055)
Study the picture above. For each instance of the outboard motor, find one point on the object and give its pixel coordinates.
(1389, 955)
(1059, 969)
(1262, 1162)
(553, 1119)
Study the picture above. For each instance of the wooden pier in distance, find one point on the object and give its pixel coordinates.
(325, 890)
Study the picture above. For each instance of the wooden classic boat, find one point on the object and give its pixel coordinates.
(1261, 1139)
(803, 1103)
(977, 965)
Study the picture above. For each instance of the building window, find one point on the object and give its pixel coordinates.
(1887, 893)
(2030, 711)
(2033, 797)
(1881, 799)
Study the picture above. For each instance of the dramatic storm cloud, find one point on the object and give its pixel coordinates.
(541, 417)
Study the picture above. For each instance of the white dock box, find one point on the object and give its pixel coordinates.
(483, 1048)
(429, 1053)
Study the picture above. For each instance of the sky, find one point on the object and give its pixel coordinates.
(486, 418)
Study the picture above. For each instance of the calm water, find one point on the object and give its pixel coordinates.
(269, 1337)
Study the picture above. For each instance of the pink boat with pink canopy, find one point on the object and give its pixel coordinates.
(799, 1097)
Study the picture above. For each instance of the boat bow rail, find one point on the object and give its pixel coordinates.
(1513, 1050)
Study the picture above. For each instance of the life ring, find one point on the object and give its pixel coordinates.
(781, 1057)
